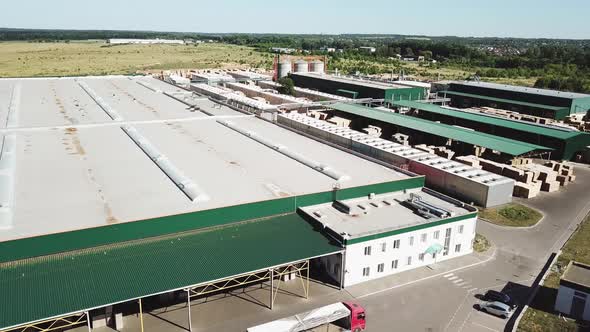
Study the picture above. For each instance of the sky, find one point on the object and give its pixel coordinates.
(466, 18)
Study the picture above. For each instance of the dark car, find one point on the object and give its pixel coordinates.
(493, 295)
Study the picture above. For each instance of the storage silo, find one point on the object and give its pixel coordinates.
(317, 66)
(301, 66)
(284, 68)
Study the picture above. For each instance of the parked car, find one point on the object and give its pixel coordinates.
(496, 308)
(493, 295)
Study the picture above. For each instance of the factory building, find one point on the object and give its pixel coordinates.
(566, 143)
(428, 228)
(539, 102)
(357, 88)
(196, 201)
(312, 95)
(450, 177)
(464, 141)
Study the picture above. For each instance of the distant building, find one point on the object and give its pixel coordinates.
(572, 295)
(539, 102)
(368, 49)
(120, 41)
(283, 50)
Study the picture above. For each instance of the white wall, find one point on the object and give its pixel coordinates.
(563, 302)
(356, 259)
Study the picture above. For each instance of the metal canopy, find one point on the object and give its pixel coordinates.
(559, 133)
(503, 100)
(504, 145)
(53, 286)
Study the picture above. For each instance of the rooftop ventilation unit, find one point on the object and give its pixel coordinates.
(426, 209)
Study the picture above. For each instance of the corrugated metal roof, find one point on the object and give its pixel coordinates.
(50, 286)
(524, 89)
(560, 133)
(506, 101)
(505, 145)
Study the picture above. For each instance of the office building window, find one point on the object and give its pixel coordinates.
(411, 240)
(421, 257)
(461, 229)
(394, 264)
(366, 271)
(396, 244)
(368, 251)
(383, 246)
(380, 267)
(409, 260)
(423, 237)
(458, 248)
(447, 241)
(436, 235)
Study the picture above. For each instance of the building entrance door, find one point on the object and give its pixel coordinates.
(578, 305)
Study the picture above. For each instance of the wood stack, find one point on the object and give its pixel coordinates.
(565, 172)
(401, 138)
(471, 160)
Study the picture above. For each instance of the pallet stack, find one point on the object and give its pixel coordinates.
(530, 178)
(565, 172)
(441, 151)
(472, 161)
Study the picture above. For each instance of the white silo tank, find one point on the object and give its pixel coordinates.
(301, 66)
(284, 68)
(317, 66)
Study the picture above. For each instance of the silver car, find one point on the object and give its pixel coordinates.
(496, 308)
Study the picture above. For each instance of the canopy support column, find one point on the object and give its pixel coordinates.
(141, 315)
(188, 304)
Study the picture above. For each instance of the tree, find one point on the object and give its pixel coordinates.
(287, 86)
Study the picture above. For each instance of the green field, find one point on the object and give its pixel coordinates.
(25, 59)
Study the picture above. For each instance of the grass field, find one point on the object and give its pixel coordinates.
(513, 215)
(24, 59)
(540, 316)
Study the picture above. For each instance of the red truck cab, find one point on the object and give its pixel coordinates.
(357, 316)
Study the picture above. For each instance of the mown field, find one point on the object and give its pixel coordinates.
(25, 59)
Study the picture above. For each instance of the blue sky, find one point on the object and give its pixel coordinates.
(501, 18)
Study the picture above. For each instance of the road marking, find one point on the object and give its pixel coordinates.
(453, 278)
(448, 275)
(489, 258)
(485, 327)
(472, 289)
(463, 283)
(457, 281)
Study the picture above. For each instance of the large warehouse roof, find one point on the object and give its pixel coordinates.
(505, 145)
(550, 131)
(523, 89)
(356, 81)
(94, 173)
(54, 285)
(502, 100)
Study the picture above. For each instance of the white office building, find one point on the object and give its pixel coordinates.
(396, 232)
